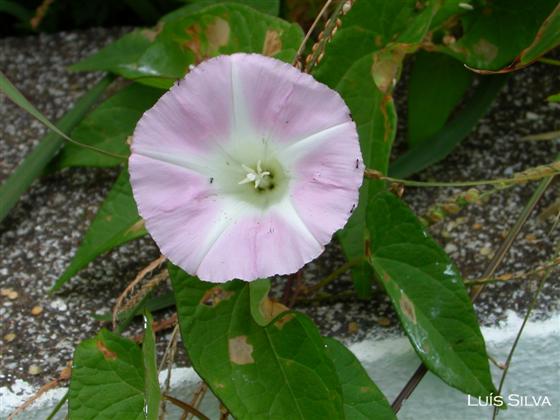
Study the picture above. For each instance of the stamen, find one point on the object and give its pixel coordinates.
(258, 176)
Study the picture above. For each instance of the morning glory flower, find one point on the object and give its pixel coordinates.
(245, 168)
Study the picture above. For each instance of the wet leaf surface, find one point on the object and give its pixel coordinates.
(362, 398)
(429, 296)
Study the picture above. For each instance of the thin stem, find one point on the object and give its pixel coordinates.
(453, 205)
(549, 61)
(518, 336)
(546, 136)
(7, 87)
(409, 387)
(512, 234)
(310, 31)
(533, 174)
(169, 357)
(187, 407)
(415, 379)
(496, 363)
(153, 265)
(327, 297)
(131, 315)
(198, 396)
(329, 27)
(517, 276)
(36, 161)
(58, 406)
(335, 274)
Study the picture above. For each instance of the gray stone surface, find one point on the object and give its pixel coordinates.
(40, 236)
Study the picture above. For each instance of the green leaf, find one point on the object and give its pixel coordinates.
(436, 85)
(107, 379)
(278, 371)
(15, 95)
(152, 394)
(272, 7)
(118, 55)
(454, 131)
(547, 38)
(554, 98)
(16, 10)
(362, 398)
(116, 222)
(495, 33)
(376, 121)
(263, 308)
(428, 293)
(35, 162)
(363, 63)
(152, 304)
(449, 11)
(160, 56)
(368, 27)
(108, 127)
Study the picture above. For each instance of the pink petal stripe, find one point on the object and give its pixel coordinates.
(257, 247)
(284, 104)
(179, 208)
(194, 116)
(326, 182)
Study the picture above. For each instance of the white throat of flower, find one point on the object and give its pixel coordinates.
(259, 177)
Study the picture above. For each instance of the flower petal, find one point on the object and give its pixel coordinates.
(178, 206)
(192, 118)
(258, 246)
(327, 173)
(193, 149)
(284, 104)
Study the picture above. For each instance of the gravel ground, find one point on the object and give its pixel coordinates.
(40, 236)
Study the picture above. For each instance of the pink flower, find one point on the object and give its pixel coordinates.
(245, 168)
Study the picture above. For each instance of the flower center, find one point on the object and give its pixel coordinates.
(261, 179)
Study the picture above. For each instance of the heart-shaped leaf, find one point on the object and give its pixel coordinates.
(108, 379)
(277, 371)
(494, 33)
(160, 56)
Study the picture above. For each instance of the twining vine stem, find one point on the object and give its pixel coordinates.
(531, 174)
